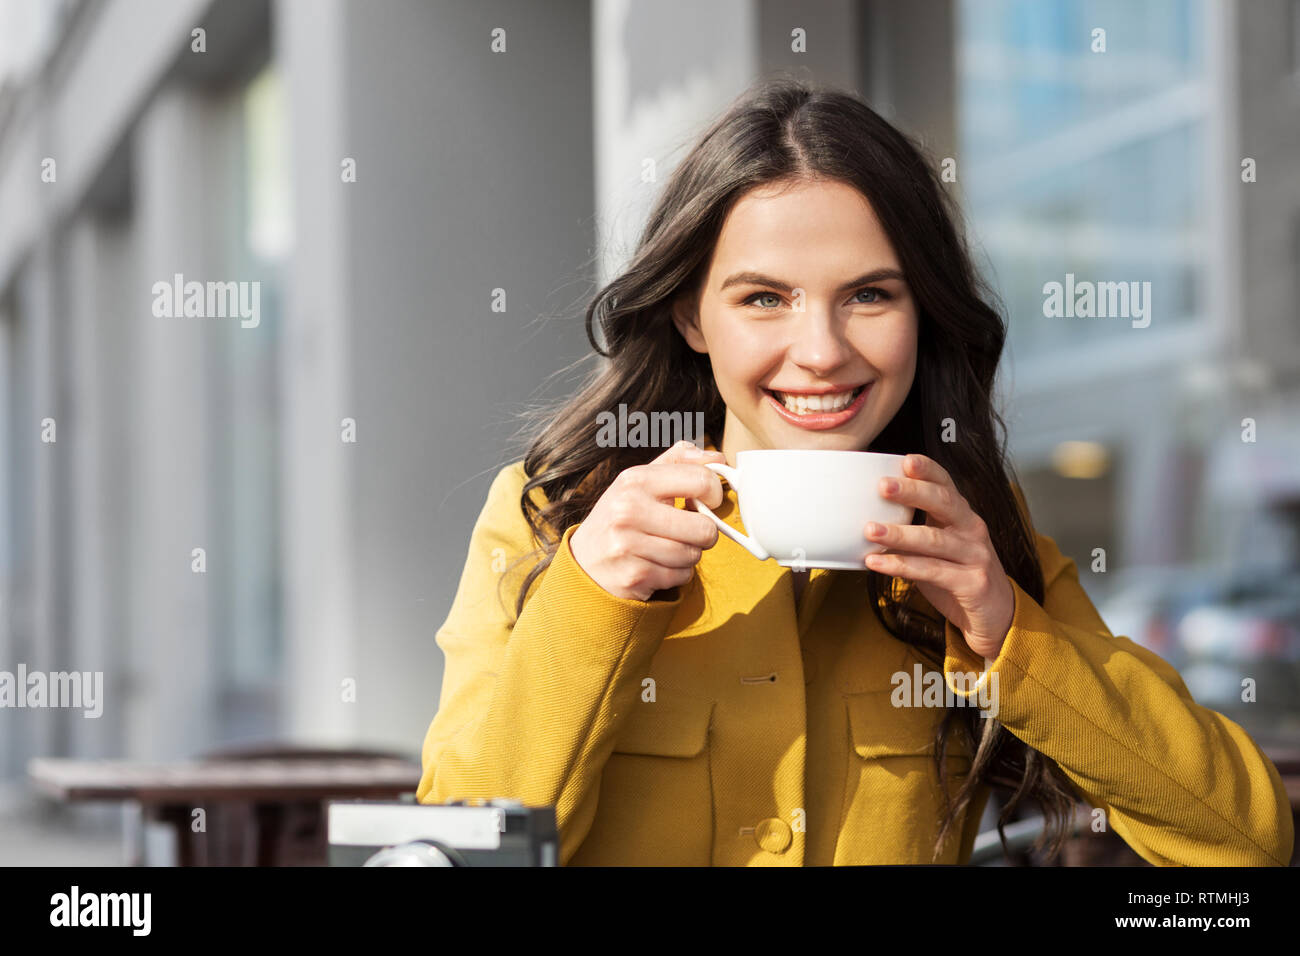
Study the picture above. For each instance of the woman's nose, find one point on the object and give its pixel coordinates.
(820, 342)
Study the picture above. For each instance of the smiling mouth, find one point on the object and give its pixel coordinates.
(816, 404)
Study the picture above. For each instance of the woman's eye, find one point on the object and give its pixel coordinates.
(878, 295)
(764, 295)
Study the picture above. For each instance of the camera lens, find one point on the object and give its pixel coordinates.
(417, 853)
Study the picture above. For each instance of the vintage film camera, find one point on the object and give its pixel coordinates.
(456, 833)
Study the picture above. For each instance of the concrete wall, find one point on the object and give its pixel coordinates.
(471, 176)
(658, 85)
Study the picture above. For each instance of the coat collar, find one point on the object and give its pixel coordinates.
(729, 562)
(739, 580)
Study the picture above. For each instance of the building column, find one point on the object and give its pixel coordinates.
(171, 703)
(471, 176)
(317, 504)
(99, 269)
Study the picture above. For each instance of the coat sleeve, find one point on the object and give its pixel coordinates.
(1181, 784)
(530, 708)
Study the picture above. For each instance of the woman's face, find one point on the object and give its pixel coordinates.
(804, 294)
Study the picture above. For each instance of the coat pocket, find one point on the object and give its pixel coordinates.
(879, 729)
(892, 801)
(676, 727)
(656, 790)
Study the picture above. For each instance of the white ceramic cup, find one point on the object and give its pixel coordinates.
(809, 508)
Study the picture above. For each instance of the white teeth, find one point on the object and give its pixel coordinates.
(809, 404)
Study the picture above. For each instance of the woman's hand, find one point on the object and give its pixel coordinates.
(635, 541)
(950, 557)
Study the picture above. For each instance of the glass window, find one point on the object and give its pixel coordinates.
(1081, 163)
(248, 624)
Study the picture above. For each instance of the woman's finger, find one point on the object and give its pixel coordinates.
(665, 481)
(666, 552)
(940, 502)
(942, 574)
(654, 518)
(923, 539)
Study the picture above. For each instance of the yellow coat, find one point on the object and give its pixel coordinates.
(729, 727)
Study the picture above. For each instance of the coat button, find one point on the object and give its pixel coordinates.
(809, 666)
(773, 835)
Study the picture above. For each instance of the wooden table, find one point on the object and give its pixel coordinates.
(259, 810)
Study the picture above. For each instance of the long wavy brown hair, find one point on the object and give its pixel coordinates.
(785, 128)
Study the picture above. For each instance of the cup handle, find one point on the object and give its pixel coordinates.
(733, 476)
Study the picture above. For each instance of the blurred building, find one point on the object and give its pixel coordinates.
(1127, 165)
(380, 172)
(1158, 143)
(389, 172)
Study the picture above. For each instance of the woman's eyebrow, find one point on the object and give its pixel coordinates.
(757, 278)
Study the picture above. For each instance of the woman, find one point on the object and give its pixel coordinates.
(678, 701)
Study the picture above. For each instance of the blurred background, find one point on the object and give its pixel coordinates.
(383, 168)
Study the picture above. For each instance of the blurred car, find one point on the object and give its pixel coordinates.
(1220, 631)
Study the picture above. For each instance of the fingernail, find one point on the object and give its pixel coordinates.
(890, 486)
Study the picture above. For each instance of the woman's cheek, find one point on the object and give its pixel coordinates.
(746, 358)
(892, 349)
